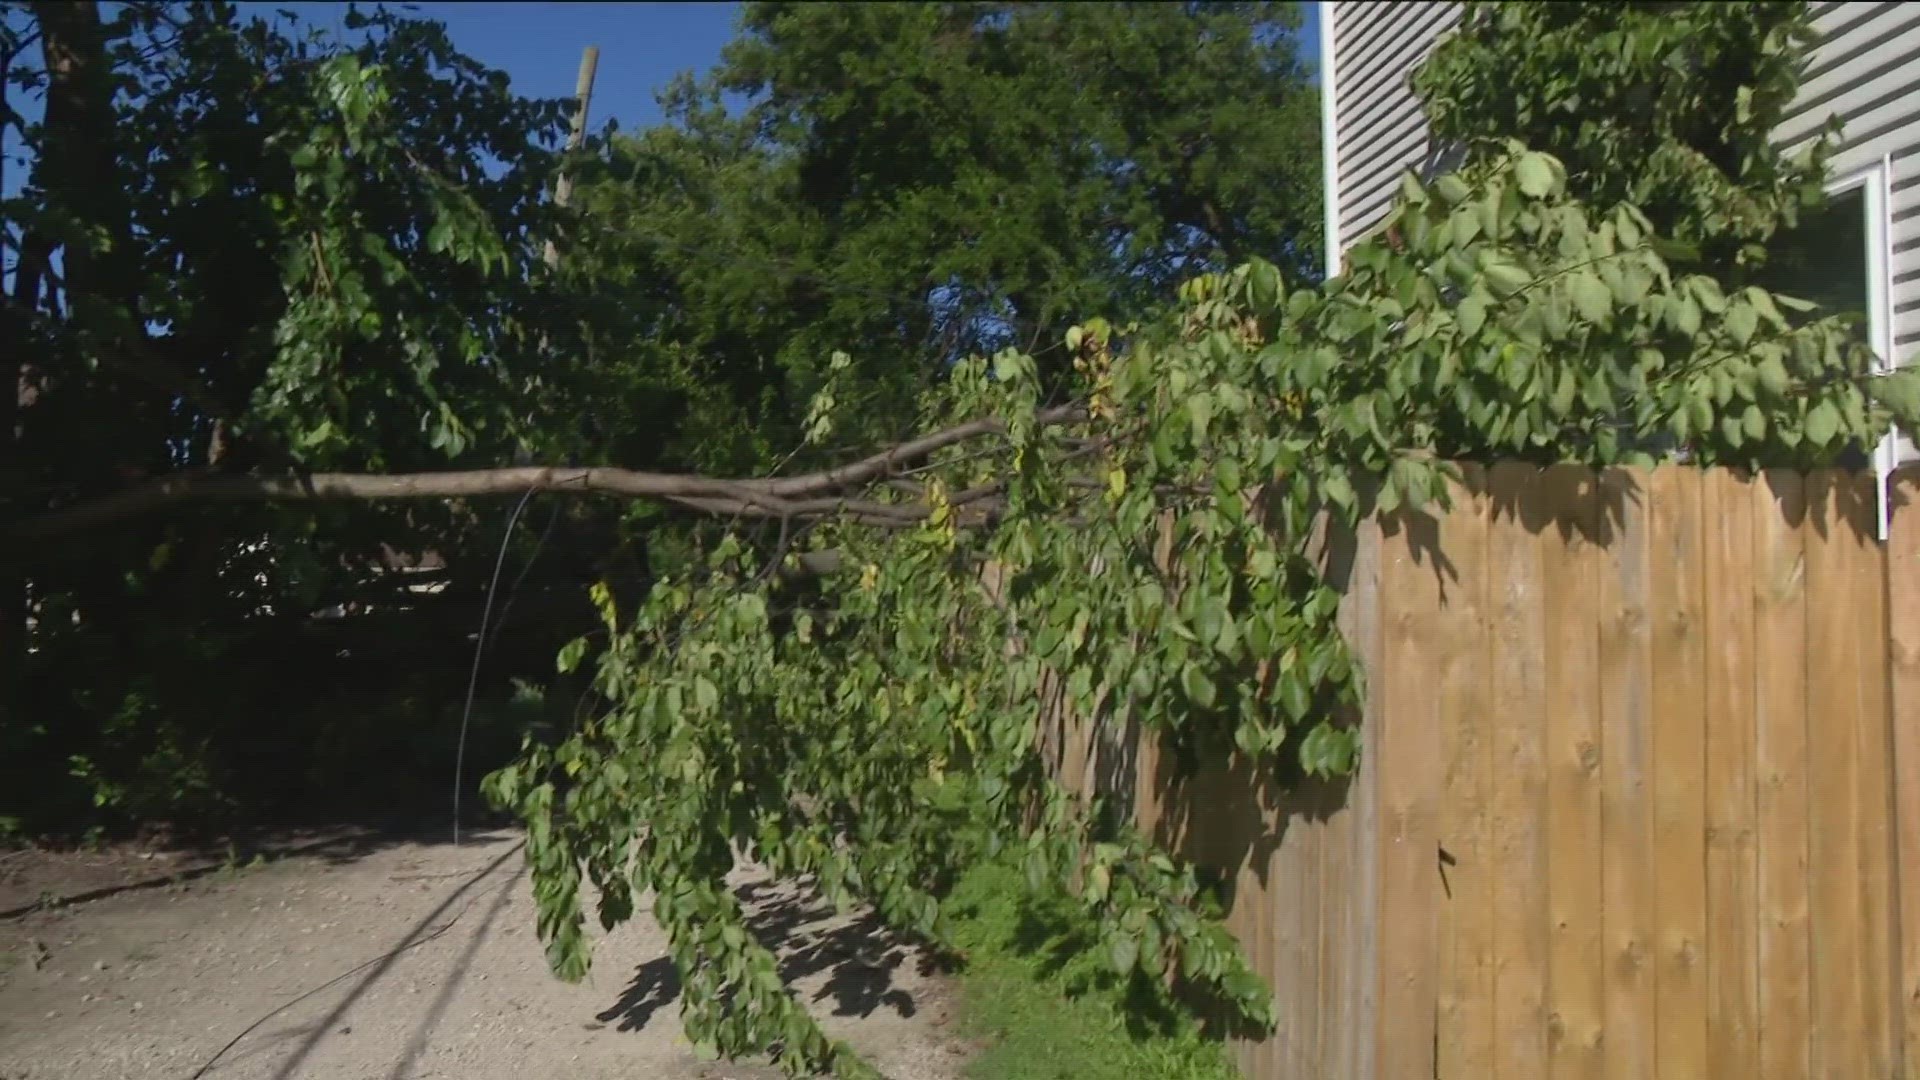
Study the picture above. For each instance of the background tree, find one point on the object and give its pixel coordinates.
(243, 248)
(915, 183)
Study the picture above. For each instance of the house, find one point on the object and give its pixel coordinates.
(1865, 69)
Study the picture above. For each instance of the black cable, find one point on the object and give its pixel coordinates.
(479, 651)
(357, 969)
(514, 589)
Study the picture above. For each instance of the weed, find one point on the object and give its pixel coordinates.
(1034, 988)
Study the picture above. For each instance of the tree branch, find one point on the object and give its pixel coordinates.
(889, 462)
(813, 495)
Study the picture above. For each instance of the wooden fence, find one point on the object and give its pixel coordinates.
(1640, 796)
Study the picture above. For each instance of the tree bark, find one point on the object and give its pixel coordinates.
(77, 162)
(820, 494)
(13, 584)
(75, 159)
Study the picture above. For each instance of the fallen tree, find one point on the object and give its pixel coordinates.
(826, 493)
(873, 735)
(868, 726)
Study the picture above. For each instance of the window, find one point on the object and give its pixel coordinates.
(1837, 257)
(1824, 259)
(1828, 256)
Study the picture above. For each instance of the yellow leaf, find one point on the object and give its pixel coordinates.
(602, 597)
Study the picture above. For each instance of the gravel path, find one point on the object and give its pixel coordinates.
(152, 982)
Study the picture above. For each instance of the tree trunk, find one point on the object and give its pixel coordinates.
(76, 164)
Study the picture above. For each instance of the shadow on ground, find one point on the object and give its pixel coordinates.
(858, 954)
(35, 880)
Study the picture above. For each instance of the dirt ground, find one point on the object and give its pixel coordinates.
(158, 960)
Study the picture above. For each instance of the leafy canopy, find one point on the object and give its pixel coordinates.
(1669, 106)
(1151, 554)
(238, 246)
(910, 184)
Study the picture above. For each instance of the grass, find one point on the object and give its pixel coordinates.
(1044, 1002)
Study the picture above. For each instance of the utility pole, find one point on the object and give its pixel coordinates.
(562, 192)
(563, 187)
(583, 93)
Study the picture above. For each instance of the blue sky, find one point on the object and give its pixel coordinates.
(642, 46)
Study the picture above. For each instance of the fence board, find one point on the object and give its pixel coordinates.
(1679, 805)
(1903, 601)
(1671, 773)
(1277, 946)
(1409, 751)
(1519, 790)
(1781, 802)
(1866, 599)
(1732, 897)
(1312, 896)
(1331, 897)
(1626, 703)
(1466, 707)
(1834, 849)
(1576, 976)
(1359, 621)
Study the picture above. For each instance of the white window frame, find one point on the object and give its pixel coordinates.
(1330, 139)
(1873, 182)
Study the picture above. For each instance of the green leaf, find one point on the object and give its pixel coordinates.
(1772, 373)
(1294, 696)
(1823, 422)
(1707, 292)
(1741, 322)
(1899, 391)
(1591, 297)
(1265, 288)
(1506, 278)
(1684, 315)
(1200, 410)
(1535, 174)
(1339, 490)
(1198, 686)
(571, 654)
(1472, 313)
(1122, 951)
(1452, 189)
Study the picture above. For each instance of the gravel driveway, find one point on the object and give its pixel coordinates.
(153, 981)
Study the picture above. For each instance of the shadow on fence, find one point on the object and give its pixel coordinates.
(1639, 745)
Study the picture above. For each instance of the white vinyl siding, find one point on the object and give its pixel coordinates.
(1377, 127)
(1866, 71)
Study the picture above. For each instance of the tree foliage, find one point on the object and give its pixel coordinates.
(909, 184)
(242, 248)
(245, 252)
(1669, 106)
(850, 732)
(839, 679)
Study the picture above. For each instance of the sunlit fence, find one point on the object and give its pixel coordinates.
(1641, 793)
